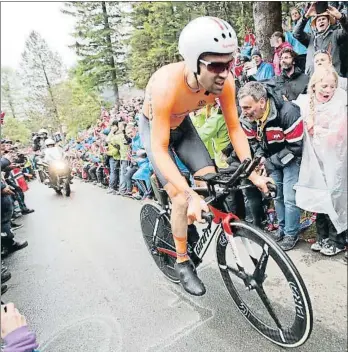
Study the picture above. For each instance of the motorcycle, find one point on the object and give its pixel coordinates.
(61, 171)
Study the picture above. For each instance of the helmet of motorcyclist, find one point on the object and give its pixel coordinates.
(42, 131)
(206, 35)
(50, 142)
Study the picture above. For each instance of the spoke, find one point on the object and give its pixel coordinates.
(250, 250)
(267, 303)
(166, 243)
(239, 273)
(259, 273)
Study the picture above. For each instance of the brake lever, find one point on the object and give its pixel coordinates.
(252, 166)
(242, 167)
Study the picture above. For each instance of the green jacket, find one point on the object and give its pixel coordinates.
(121, 141)
(214, 131)
(113, 152)
(198, 121)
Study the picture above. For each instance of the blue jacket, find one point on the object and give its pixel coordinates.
(145, 169)
(299, 48)
(264, 71)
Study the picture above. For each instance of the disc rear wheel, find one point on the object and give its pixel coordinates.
(158, 238)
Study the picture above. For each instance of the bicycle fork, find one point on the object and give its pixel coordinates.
(257, 278)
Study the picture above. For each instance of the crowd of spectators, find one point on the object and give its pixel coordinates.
(13, 205)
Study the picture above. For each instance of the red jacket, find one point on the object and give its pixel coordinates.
(250, 38)
(276, 57)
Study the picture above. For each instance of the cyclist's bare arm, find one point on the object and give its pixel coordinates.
(235, 131)
(237, 136)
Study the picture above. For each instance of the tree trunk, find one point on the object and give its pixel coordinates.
(268, 19)
(7, 92)
(112, 59)
(10, 103)
(55, 110)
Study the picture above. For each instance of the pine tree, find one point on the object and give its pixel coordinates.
(41, 70)
(157, 26)
(99, 33)
(10, 92)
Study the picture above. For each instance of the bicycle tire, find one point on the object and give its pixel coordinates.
(67, 189)
(164, 238)
(302, 326)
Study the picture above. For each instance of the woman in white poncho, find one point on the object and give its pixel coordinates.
(322, 184)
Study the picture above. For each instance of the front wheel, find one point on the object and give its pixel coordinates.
(265, 285)
(67, 189)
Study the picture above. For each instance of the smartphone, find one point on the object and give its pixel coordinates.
(321, 6)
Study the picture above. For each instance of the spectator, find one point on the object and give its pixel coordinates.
(278, 43)
(274, 128)
(113, 150)
(122, 145)
(8, 243)
(250, 37)
(142, 173)
(292, 81)
(323, 58)
(15, 332)
(325, 35)
(322, 184)
(214, 129)
(300, 49)
(264, 69)
(239, 64)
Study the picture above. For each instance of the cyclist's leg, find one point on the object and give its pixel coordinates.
(192, 151)
(179, 204)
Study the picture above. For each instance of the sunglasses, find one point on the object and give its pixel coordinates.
(217, 67)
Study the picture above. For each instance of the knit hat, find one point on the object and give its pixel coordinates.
(256, 52)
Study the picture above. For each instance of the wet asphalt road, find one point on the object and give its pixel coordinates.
(86, 283)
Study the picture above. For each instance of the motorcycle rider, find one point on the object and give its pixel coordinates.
(52, 153)
(39, 140)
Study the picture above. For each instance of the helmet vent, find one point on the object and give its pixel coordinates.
(216, 39)
(223, 35)
(230, 34)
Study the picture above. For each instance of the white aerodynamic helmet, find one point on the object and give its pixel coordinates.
(49, 141)
(42, 131)
(206, 35)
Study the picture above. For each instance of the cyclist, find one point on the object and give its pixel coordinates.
(207, 45)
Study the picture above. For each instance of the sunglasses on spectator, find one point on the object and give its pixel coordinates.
(217, 67)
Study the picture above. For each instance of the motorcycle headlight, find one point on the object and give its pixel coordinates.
(60, 166)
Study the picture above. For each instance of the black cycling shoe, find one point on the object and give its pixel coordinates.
(188, 278)
(5, 276)
(3, 289)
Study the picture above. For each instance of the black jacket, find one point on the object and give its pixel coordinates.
(332, 40)
(282, 134)
(291, 87)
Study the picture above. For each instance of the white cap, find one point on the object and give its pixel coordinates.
(206, 35)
